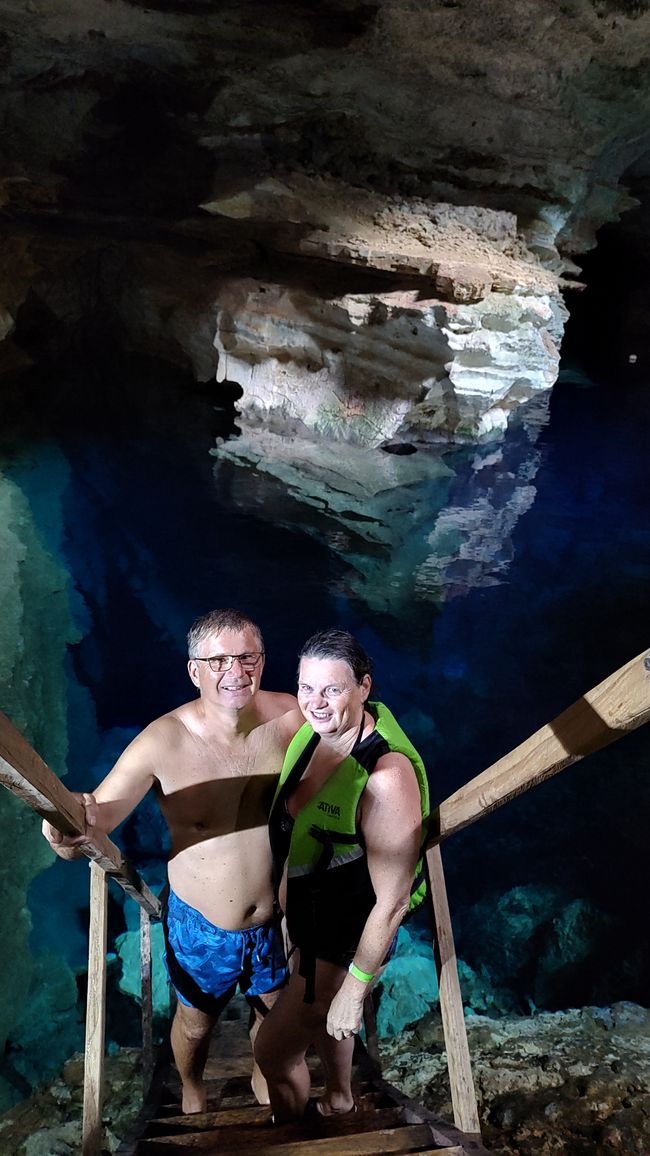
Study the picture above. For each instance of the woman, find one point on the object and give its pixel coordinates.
(347, 820)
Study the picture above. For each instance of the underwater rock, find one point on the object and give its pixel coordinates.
(483, 995)
(46, 1032)
(408, 987)
(127, 947)
(48, 1123)
(569, 1082)
(527, 948)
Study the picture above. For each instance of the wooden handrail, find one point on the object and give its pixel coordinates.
(25, 774)
(612, 709)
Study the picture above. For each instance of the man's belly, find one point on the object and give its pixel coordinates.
(227, 879)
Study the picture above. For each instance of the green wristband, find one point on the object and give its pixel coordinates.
(363, 976)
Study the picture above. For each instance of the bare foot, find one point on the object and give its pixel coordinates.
(325, 1108)
(194, 1099)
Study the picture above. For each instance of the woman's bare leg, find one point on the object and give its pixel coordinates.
(336, 1058)
(280, 1049)
(288, 1031)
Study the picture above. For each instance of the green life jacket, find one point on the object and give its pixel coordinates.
(324, 835)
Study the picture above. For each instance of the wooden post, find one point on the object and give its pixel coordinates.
(95, 1014)
(146, 994)
(612, 709)
(463, 1096)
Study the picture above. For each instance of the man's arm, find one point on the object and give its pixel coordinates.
(118, 794)
(290, 722)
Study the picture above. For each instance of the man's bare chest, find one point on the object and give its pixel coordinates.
(216, 790)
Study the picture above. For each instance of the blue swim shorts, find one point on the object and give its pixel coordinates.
(217, 960)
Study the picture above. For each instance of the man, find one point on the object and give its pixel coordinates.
(213, 763)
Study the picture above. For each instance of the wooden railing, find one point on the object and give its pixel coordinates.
(618, 705)
(25, 774)
(612, 709)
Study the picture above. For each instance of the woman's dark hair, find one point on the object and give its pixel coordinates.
(338, 644)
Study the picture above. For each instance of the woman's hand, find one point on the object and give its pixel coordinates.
(346, 1009)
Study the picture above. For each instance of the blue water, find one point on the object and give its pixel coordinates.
(152, 540)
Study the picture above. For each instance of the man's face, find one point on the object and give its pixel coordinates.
(236, 686)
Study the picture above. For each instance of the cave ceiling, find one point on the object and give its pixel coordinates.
(454, 151)
(129, 112)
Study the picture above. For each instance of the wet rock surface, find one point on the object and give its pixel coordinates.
(574, 1082)
(49, 1122)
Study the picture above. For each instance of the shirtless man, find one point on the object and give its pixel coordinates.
(213, 763)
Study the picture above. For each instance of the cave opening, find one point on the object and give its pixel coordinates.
(607, 331)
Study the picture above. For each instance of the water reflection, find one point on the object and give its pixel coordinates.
(415, 528)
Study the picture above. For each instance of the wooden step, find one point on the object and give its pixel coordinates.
(249, 1124)
(411, 1138)
(252, 1114)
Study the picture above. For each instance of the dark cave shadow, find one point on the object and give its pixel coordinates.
(580, 717)
(216, 807)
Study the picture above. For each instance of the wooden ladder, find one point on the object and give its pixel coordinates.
(385, 1121)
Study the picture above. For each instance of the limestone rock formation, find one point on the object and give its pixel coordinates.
(467, 146)
(372, 367)
(574, 1081)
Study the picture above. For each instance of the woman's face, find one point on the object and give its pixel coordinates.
(329, 696)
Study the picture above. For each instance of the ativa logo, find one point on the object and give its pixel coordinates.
(330, 809)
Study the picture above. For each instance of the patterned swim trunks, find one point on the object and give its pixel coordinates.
(215, 960)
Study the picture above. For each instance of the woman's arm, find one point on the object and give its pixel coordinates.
(391, 825)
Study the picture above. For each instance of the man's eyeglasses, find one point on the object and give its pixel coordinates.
(218, 663)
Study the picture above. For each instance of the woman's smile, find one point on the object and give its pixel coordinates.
(328, 695)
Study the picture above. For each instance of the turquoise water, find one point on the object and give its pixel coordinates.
(152, 538)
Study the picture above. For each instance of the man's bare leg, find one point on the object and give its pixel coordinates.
(190, 1039)
(259, 1005)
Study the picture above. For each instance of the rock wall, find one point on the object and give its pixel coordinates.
(36, 627)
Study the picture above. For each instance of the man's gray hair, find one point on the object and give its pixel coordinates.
(215, 622)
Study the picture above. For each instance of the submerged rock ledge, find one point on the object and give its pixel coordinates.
(575, 1082)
